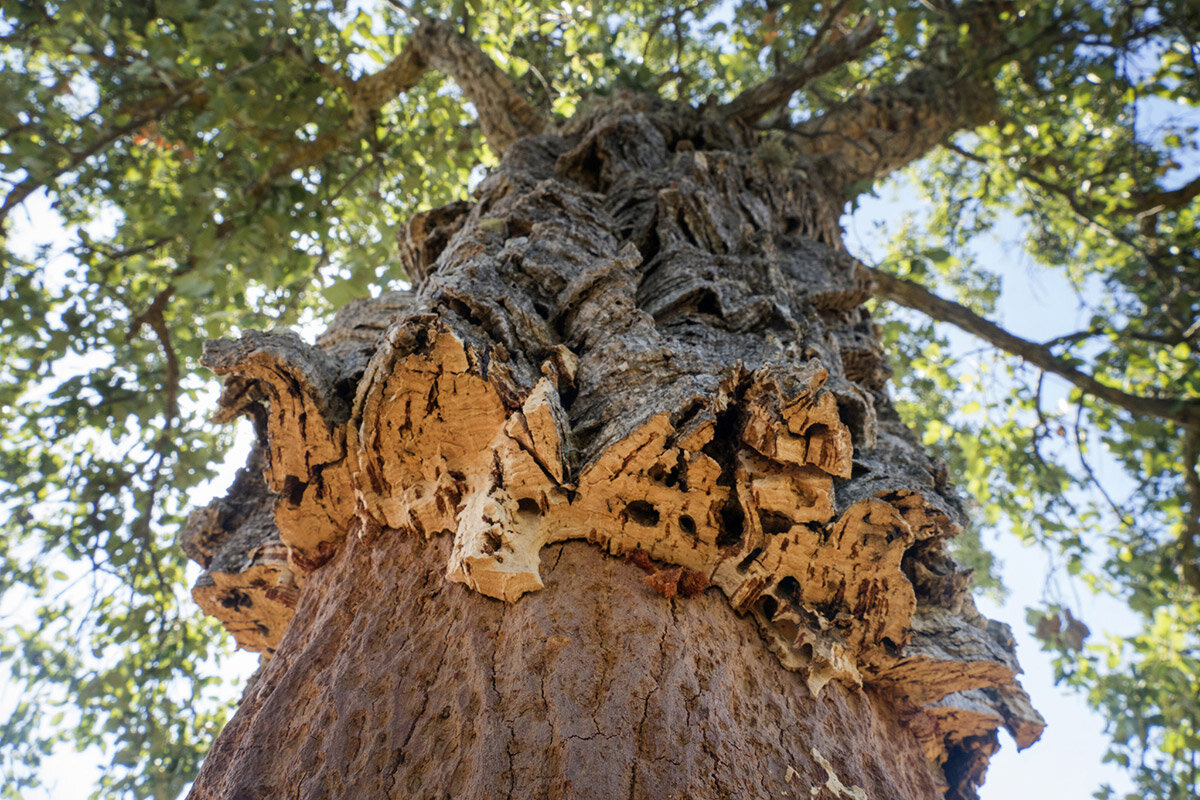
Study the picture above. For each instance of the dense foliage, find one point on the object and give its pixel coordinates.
(202, 169)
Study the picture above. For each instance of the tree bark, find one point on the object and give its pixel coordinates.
(612, 504)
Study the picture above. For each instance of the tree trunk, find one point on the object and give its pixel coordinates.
(612, 504)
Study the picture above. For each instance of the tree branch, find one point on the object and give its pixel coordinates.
(1182, 410)
(366, 95)
(835, 16)
(870, 137)
(20, 192)
(1091, 213)
(1156, 202)
(187, 94)
(758, 100)
(1146, 205)
(504, 113)
(1080, 449)
(154, 318)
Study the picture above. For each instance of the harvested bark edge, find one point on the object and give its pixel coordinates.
(1182, 410)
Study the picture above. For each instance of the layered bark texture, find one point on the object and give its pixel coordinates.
(613, 503)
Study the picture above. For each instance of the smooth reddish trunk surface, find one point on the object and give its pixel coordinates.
(392, 682)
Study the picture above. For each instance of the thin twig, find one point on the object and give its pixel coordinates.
(834, 15)
(153, 318)
(1124, 518)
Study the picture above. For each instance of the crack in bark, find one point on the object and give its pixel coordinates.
(400, 752)
(532, 452)
(510, 724)
(604, 663)
(668, 624)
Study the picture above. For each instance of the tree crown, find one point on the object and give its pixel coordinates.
(209, 166)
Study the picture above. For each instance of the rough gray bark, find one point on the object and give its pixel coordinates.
(644, 334)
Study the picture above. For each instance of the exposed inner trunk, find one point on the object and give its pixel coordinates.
(644, 334)
(593, 687)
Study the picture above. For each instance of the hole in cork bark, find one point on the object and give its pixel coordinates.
(642, 513)
(519, 226)
(649, 245)
(664, 476)
(890, 647)
(567, 396)
(768, 606)
(348, 386)
(775, 522)
(787, 630)
(748, 560)
(806, 651)
(460, 308)
(528, 508)
(589, 169)
(493, 543)
(294, 488)
(687, 525)
(789, 588)
(853, 413)
(722, 448)
(236, 598)
(685, 229)
(733, 524)
(827, 610)
(710, 304)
